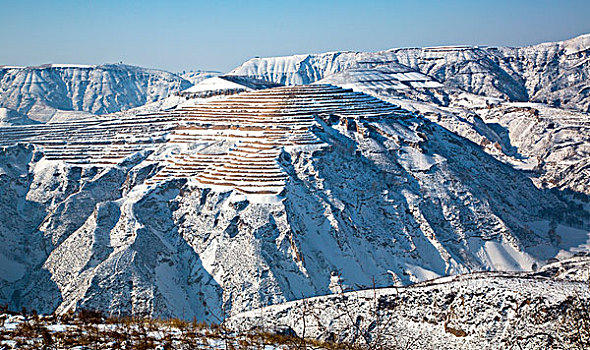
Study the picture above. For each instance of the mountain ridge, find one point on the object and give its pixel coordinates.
(42, 91)
(490, 71)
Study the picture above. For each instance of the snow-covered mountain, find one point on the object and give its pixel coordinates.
(260, 198)
(472, 92)
(44, 91)
(391, 168)
(553, 73)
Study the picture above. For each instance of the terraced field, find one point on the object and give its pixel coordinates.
(234, 142)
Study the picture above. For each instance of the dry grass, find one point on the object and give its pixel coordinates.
(90, 329)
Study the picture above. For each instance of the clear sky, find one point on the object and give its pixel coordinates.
(219, 35)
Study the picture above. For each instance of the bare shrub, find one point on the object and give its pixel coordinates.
(575, 327)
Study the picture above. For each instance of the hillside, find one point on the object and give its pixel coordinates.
(474, 92)
(260, 198)
(475, 311)
(44, 91)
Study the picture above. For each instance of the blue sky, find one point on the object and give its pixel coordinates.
(219, 35)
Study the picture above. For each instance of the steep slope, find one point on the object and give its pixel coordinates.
(550, 145)
(40, 92)
(261, 198)
(553, 143)
(555, 73)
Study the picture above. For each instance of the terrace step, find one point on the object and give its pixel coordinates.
(258, 126)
